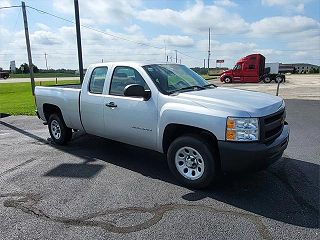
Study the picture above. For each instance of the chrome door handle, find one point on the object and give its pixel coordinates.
(111, 105)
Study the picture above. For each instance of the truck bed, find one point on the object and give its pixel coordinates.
(66, 97)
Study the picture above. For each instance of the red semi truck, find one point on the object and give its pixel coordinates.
(251, 69)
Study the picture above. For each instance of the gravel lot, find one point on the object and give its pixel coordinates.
(98, 189)
(297, 86)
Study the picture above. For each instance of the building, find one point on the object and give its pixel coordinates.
(296, 68)
(13, 66)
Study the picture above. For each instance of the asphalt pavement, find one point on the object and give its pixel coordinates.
(97, 189)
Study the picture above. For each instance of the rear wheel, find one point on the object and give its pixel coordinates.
(267, 80)
(227, 80)
(59, 132)
(191, 161)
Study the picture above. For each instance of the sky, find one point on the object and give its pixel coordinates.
(286, 31)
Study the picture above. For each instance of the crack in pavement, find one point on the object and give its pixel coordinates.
(26, 203)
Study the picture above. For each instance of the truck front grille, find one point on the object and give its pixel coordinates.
(272, 125)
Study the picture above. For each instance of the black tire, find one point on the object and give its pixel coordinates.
(227, 80)
(65, 132)
(267, 79)
(5, 77)
(203, 148)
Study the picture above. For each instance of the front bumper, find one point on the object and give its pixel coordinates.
(240, 157)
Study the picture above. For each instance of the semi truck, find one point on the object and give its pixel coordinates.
(4, 75)
(253, 69)
(203, 130)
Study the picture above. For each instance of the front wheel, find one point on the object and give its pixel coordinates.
(227, 80)
(59, 132)
(191, 161)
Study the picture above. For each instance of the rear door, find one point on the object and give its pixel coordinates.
(129, 119)
(92, 102)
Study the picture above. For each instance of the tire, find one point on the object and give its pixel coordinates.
(191, 161)
(267, 80)
(59, 132)
(227, 80)
(5, 77)
(279, 79)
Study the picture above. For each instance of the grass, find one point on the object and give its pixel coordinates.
(17, 99)
(42, 75)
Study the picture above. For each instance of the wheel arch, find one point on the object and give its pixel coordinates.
(49, 109)
(173, 131)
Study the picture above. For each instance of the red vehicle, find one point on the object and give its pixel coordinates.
(250, 69)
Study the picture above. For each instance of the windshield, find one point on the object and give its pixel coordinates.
(170, 78)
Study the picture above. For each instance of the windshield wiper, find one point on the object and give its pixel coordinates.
(209, 85)
(195, 87)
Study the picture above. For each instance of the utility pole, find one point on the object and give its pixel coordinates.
(176, 56)
(102, 60)
(76, 13)
(204, 63)
(26, 32)
(180, 60)
(209, 53)
(167, 58)
(45, 56)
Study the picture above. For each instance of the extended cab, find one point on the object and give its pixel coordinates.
(202, 129)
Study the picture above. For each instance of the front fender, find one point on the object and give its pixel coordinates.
(194, 116)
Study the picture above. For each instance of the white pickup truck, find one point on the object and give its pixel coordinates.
(203, 129)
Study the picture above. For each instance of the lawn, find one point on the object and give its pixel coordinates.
(17, 99)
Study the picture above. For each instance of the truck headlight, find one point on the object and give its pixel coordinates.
(242, 129)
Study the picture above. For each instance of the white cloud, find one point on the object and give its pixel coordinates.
(5, 3)
(288, 5)
(101, 11)
(197, 18)
(42, 26)
(225, 3)
(133, 28)
(284, 26)
(174, 41)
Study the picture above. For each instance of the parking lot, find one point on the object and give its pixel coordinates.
(97, 189)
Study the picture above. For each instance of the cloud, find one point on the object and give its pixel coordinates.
(5, 3)
(197, 18)
(43, 26)
(132, 28)
(285, 26)
(288, 5)
(174, 41)
(101, 11)
(225, 3)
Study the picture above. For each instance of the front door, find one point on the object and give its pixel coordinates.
(129, 119)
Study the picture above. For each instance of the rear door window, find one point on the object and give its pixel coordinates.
(97, 80)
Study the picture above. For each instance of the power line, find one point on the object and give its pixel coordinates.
(94, 29)
(8, 7)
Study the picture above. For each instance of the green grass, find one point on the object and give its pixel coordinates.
(42, 75)
(17, 99)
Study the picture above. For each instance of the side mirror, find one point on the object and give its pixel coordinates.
(136, 90)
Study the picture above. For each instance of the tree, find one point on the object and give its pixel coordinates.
(24, 68)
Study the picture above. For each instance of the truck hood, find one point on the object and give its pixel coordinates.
(256, 104)
(227, 72)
